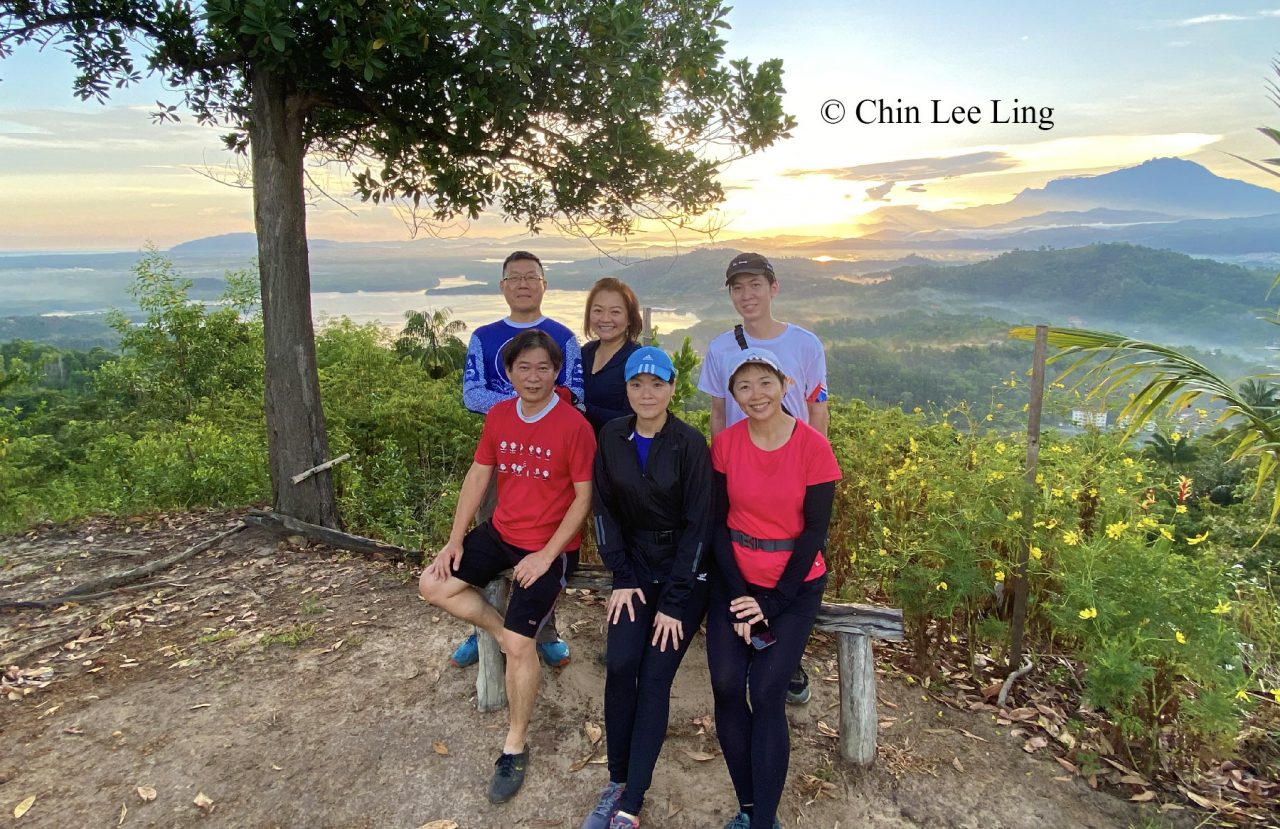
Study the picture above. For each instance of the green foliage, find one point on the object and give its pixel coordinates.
(431, 339)
(686, 362)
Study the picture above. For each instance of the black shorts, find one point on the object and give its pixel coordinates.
(485, 555)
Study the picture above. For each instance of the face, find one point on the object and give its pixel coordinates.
(609, 316)
(523, 286)
(649, 395)
(752, 295)
(758, 391)
(534, 376)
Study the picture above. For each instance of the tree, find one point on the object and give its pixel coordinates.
(430, 337)
(1176, 450)
(588, 116)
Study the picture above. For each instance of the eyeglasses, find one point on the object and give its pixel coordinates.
(522, 279)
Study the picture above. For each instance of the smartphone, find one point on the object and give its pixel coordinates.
(761, 636)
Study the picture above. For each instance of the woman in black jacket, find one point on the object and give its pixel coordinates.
(612, 324)
(652, 486)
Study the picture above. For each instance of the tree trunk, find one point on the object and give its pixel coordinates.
(296, 438)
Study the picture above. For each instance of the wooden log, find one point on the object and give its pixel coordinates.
(288, 525)
(858, 720)
(491, 678)
(865, 619)
(302, 476)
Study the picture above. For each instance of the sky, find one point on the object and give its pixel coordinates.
(1119, 82)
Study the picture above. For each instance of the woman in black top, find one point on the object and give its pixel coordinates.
(613, 319)
(652, 502)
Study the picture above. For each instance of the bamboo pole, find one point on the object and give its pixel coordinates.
(1034, 408)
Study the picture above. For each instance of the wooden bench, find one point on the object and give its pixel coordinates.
(854, 625)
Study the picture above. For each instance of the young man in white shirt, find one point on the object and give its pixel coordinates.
(752, 286)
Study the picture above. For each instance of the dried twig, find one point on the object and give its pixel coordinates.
(1012, 678)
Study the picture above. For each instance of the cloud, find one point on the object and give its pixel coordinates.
(879, 192)
(1205, 19)
(917, 188)
(917, 169)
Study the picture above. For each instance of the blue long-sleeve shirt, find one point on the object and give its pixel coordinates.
(484, 378)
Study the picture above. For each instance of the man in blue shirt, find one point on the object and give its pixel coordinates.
(485, 383)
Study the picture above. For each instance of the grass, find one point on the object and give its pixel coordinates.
(290, 636)
(213, 637)
(311, 606)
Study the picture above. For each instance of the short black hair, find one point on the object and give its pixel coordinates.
(518, 255)
(528, 340)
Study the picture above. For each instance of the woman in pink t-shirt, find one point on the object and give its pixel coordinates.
(774, 483)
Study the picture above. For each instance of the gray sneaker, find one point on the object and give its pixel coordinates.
(508, 776)
(740, 821)
(798, 692)
(606, 808)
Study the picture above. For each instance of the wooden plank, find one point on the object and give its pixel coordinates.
(491, 682)
(864, 619)
(858, 720)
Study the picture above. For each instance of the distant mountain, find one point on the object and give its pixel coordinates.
(1168, 187)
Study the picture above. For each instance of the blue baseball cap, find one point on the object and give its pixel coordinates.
(650, 360)
(763, 356)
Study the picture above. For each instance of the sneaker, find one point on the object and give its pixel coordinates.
(508, 776)
(624, 822)
(602, 815)
(467, 654)
(740, 821)
(555, 654)
(798, 692)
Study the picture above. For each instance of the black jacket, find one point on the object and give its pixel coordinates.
(653, 526)
(605, 392)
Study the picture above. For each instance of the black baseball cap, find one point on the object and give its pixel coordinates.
(749, 263)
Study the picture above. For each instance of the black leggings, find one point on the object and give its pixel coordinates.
(637, 690)
(750, 689)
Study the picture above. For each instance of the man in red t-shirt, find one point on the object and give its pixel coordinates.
(541, 449)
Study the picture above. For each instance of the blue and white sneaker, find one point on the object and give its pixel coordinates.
(555, 654)
(467, 654)
(602, 815)
(740, 821)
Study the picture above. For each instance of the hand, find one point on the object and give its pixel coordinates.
(747, 609)
(743, 629)
(446, 561)
(667, 628)
(621, 598)
(530, 568)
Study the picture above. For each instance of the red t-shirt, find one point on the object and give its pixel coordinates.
(766, 493)
(537, 464)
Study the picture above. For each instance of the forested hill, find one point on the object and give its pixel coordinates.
(1146, 293)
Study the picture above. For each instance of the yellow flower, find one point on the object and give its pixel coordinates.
(995, 476)
(1093, 492)
(917, 410)
(883, 551)
(1052, 522)
(876, 506)
(1037, 553)
(912, 445)
(1194, 541)
(853, 557)
(1014, 516)
(1000, 447)
(1180, 636)
(1071, 538)
(1121, 490)
(1175, 437)
(1026, 407)
(1055, 492)
(1128, 461)
(1275, 692)
(1181, 509)
(1202, 412)
(973, 458)
(1222, 609)
(1148, 522)
(1242, 694)
(1117, 529)
(886, 532)
(1138, 478)
(1166, 534)
(1088, 613)
(989, 418)
(1039, 478)
(954, 639)
(1000, 575)
(942, 585)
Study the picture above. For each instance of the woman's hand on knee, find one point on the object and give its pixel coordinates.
(667, 628)
(620, 598)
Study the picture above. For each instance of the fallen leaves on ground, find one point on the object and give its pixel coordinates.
(24, 807)
(202, 801)
(146, 793)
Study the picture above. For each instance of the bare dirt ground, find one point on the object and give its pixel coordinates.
(287, 687)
